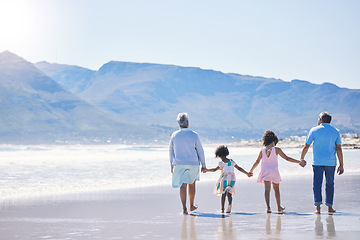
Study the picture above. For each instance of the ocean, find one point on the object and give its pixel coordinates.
(50, 171)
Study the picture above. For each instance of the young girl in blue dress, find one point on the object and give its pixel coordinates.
(225, 186)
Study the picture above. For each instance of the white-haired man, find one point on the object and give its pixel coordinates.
(186, 155)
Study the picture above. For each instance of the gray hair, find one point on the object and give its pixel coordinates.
(183, 120)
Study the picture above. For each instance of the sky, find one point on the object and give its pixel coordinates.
(317, 41)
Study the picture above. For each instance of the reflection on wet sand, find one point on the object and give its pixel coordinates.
(324, 228)
(191, 232)
(226, 230)
(268, 225)
(330, 227)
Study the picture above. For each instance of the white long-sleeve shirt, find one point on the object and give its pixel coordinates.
(186, 149)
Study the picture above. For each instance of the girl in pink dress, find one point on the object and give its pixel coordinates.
(225, 186)
(269, 173)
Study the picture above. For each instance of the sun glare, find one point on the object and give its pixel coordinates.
(16, 23)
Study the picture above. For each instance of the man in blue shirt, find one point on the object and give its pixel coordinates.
(327, 144)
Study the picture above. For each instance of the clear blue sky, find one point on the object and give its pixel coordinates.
(316, 41)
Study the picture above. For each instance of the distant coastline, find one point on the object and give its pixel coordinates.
(349, 141)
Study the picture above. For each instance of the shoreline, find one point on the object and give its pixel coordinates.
(347, 143)
(118, 194)
(63, 173)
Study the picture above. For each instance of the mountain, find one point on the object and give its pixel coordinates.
(221, 106)
(74, 78)
(36, 109)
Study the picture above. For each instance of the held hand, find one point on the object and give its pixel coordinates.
(302, 163)
(204, 169)
(250, 174)
(340, 170)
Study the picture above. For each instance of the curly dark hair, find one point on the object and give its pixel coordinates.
(269, 137)
(221, 151)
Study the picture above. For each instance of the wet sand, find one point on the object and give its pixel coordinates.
(155, 213)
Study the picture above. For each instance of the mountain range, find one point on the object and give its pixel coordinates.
(139, 102)
(36, 109)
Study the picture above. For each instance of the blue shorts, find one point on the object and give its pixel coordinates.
(185, 174)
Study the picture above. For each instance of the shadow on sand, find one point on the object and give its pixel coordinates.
(219, 215)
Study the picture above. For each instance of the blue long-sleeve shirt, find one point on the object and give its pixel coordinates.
(186, 149)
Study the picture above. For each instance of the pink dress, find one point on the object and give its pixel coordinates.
(269, 167)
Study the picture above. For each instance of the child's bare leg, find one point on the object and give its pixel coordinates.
(276, 187)
(230, 202)
(192, 189)
(223, 197)
(229, 198)
(183, 197)
(267, 195)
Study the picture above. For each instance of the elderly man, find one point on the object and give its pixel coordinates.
(186, 155)
(327, 144)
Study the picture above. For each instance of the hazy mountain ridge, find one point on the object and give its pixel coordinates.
(64, 75)
(139, 102)
(36, 109)
(219, 104)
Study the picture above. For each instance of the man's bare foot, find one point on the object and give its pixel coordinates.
(331, 210)
(185, 211)
(317, 211)
(222, 210)
(193, 207)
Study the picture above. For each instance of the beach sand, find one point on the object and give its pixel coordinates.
(155, 213)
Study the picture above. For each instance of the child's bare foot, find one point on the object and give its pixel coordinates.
(331, 210)
(185, 211)
(229, 209)
(317, 211)
(193, 207)
(281, 210)
(268, 210)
